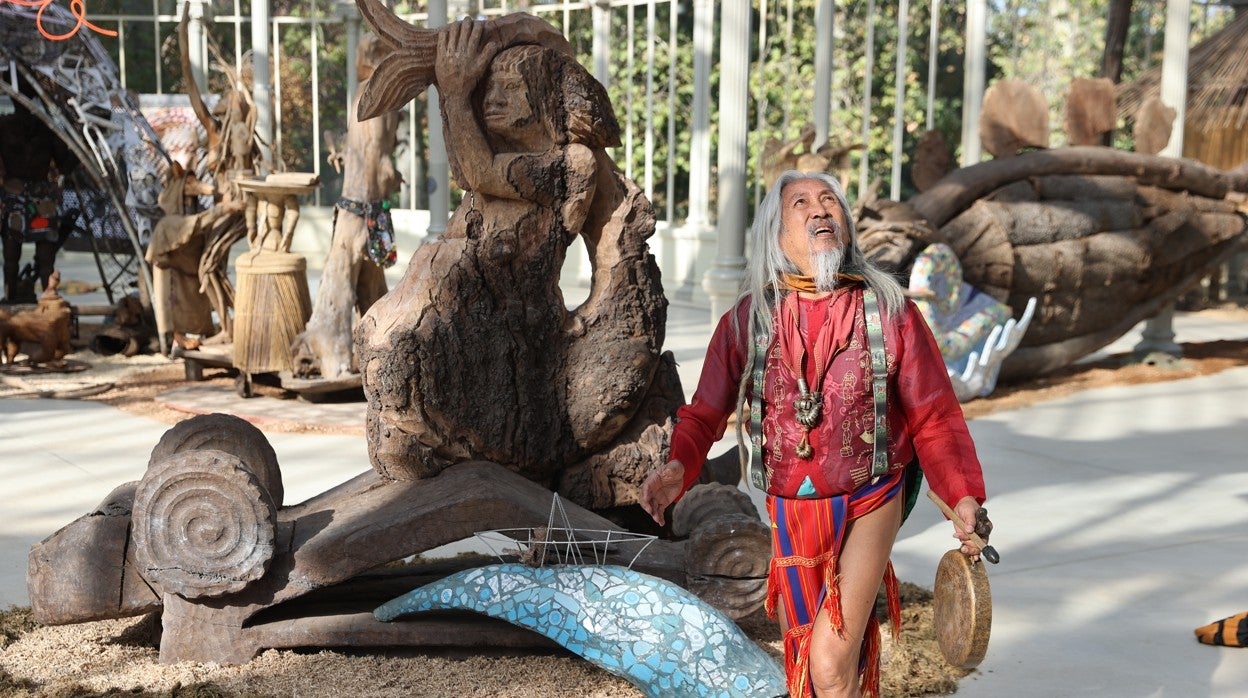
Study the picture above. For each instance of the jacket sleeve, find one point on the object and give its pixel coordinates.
(703, 421)
(933, 414)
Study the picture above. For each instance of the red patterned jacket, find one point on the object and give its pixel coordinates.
(924, 416)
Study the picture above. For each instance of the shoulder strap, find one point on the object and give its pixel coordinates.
(760, 339)
(879, 383)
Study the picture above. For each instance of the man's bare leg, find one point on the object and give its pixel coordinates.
(865, 551)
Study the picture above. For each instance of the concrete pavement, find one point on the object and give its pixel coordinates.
(1122, 521)
(1121, 513)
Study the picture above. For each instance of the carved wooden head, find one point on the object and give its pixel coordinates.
(531, 85)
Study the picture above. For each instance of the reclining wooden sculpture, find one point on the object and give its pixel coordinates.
(1101, 238)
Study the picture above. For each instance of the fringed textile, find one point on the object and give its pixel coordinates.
(806, 538)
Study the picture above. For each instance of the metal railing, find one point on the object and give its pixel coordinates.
(641, 48)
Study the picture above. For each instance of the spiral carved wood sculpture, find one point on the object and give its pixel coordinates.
(203, 524)
(728, 548)
(225, 432)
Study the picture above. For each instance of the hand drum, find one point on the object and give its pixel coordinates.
(962, 606)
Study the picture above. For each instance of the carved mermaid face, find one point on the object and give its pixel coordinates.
(508, 111)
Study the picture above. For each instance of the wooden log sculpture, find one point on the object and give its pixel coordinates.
(932, 160)
(233, 571)
(43, 334)
(1090, 111)
(474, 354)
(1102, 238)
(1154, 123)
(352, 280)
(472, 358)
(129, 333)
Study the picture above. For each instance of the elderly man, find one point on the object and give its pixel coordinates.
(846, 387)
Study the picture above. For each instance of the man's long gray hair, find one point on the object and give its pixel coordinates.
(766, 262)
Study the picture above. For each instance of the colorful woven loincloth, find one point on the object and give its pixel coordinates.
(806, 538)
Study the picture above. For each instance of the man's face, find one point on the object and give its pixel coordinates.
(811, 220)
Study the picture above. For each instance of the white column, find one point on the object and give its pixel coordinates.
(933, 55)
(723, 281)
(198, 12)
(262, 86)
(825, 24)
(687, 251)
(438, 179)
(899, 89)
(1174, 71)
(975, 76)
(351, 17)
(700, 139)
(1158, 332)
(601, 12)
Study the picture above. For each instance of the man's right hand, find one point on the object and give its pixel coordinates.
(662, 488)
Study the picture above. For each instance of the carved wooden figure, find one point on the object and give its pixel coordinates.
(474, 354)
(353, 276)
(485, 394)
(176, 252)
(190, 250)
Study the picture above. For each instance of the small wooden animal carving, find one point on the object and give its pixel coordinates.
(43, 334)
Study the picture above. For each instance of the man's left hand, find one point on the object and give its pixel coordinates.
(972, 521)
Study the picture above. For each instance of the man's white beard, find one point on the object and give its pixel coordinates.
(827, 264)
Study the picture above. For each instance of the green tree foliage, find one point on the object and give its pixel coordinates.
(1045, 42)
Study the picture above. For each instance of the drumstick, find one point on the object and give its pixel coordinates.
(989, 552)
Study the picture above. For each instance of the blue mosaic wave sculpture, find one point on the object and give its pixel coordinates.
(663, 639)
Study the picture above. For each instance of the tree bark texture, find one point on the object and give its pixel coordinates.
(1117, 23)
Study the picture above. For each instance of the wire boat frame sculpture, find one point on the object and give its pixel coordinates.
(563, 544)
